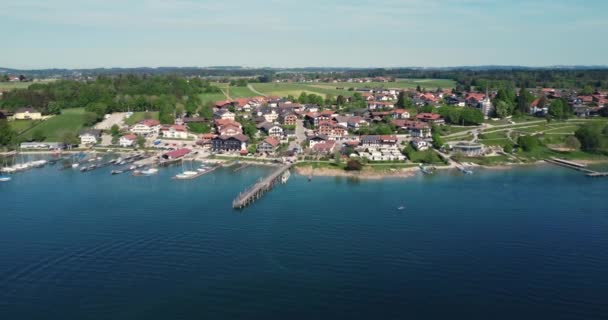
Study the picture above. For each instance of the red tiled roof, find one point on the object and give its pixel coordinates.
(150, 122)
(428, 116)
(131, 137)
(178, 153)
(272, 141)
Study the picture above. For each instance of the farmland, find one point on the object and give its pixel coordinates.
(20, 85)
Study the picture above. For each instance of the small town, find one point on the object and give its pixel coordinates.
(376, 131)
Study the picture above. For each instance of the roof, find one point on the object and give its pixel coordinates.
(324, 146)
(240, 137)
(150, 122)
(428, 116)
(93, 132)
(175, 127)
(177, 153)
(28, 109)
(131, 137)
(272, 141)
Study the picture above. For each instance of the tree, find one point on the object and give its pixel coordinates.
(587, 91)
(70, 139)
(198, 127)
(38, 135)
(523, 101)
(141, 141)
(90, 118)
(7, 134)
(471, 116)
(340, 100)
(115, 130)
(502, 109)
(558, 109)
(437, 140)
(590, 137)
(528, 143)
(508, 148)
(572, 143)
(418, 88)
(353, 165)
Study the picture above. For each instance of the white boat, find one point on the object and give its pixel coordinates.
(201, 169)
(149, 172)
(5, 178)
(8, 170)
(132, 167)
(181, 176)
(75, 165)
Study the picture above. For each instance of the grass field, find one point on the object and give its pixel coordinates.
(19, 85)
(70, 120)
(211, 97)
(22, 125)
(241, 92)
(138, 116)
(323, 89)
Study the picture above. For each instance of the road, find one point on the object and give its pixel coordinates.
(300, 135)
(254, 90)
(115, 118)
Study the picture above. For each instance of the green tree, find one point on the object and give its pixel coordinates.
(590, 137)
(90, 118)
(527, 142)
(7, 134)
(70, 139)
(340, 100)
(115, 130)
(502, 109)
(199, 127)
(587, 90)
(141, 141)
(572, 143)
(471, 116)
(523, 101)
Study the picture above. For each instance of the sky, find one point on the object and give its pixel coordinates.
(302, 33)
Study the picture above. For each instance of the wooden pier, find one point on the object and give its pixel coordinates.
(257, 190)
(577, 166)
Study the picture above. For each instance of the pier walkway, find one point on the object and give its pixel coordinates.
(257, 190)
(577, 166)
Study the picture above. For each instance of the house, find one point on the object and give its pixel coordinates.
(224, 114)
(356, 122)
(373, 105)
(270, 115)
(27, 114)
(431, 118)
(316, 139)
(175, 132)
(176, 154)
(289, 119)
(224, 143)
(537, 109)
(206, 140)
(378, 141)
(326, 147)
(90, 136)
(227, 127)
(148, 127)
(127, 140)
(269, 145)
(400, 114)
(272, 129)
(420, 144)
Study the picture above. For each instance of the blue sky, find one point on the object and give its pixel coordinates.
(297, 33)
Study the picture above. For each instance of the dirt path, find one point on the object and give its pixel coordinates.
(254, 90)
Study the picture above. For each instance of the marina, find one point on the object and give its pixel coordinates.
(578, 167)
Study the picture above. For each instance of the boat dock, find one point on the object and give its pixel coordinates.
(257, 190)
(577, 166)
(198, 174)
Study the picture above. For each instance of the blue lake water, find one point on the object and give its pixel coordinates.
(526, 243)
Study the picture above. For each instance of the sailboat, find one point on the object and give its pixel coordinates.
(5, 178)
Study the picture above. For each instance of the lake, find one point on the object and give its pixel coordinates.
(524, 243)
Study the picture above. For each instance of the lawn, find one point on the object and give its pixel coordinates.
(484, 161)
(138, 116)
(70, 120)
(399, 84)
(211, 97)
(21, 125)
(241, 92)
(295, 89)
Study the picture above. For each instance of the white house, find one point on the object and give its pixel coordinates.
(420, 144)
(148, 127)
(127, 140)
(175, 132)
(273, 130)
(224, 114)
(90, 137)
